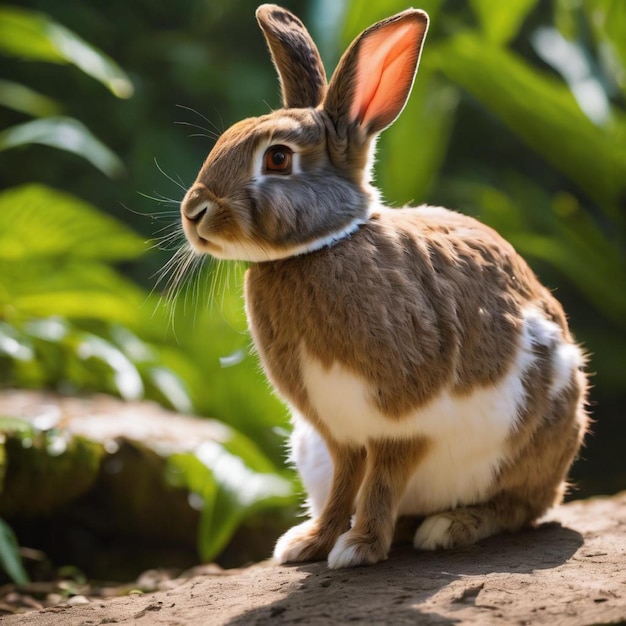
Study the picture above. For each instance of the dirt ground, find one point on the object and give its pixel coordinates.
(571, 571)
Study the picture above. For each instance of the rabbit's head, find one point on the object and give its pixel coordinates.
(297, 179)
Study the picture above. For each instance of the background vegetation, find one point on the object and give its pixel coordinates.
(517, 117)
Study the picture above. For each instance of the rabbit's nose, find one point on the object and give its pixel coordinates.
(196, 203)
(195, 211)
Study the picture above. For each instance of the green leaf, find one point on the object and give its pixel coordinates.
(74, 289)
(79, 304)
(608, 21)
(594, 271)
(10, 559)
(15, 425)
(3, 452)
(36, 37)
(12, 344)
(164, 385)
(542, 112)
(501, 21)
(22, 34)
(242, 447)
(26, 100)
(64, 133)
(19, 362)
(230, 491)
(566, 19)
(40, 222)
(111, 369)
(241, 492)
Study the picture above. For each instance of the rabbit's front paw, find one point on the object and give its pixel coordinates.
(446, 530)
(304, 542)
(353, 549)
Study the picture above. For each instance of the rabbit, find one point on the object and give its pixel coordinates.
(428, 371)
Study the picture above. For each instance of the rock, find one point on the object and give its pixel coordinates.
(571, 570)
(118, 487)
(76, 600)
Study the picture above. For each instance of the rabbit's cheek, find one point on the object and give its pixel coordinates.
(218, 224)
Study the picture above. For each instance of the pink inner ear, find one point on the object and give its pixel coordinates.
(385, 72)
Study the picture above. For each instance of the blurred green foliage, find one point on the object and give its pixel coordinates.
(517, 117)
(9, 555)
(33, 36)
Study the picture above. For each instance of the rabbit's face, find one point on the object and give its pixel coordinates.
(273, 187)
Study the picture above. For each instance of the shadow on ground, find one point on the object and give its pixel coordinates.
(399, 588)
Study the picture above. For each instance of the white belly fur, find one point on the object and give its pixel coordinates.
(467, 434)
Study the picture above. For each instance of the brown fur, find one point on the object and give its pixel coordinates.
(412, 338)
(418, 348)
(389, 467)
(318, 538)
(415, 302)
(300, 68)
(278, 215)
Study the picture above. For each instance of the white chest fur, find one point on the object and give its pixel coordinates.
(467, 434)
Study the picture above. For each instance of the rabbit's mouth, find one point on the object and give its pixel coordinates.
(201, 243)
(211, 246)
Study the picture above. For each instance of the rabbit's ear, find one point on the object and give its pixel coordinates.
(300, 68)
(374, 78)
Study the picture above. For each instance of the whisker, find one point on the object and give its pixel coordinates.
(210, 134)
(134, 211)
(203, 135)
(204, 117)
(220, 129)
(174, 227)
(178, 183)
(162, 273)
(214, 131)
(160, 198)
(171, 273)
(166, 243)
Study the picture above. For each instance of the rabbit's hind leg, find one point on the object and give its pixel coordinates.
(527, 486)
(467, 525)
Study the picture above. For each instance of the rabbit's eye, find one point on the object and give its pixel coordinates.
(277, 160)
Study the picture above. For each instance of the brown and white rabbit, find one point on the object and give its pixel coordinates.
(429, 372)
